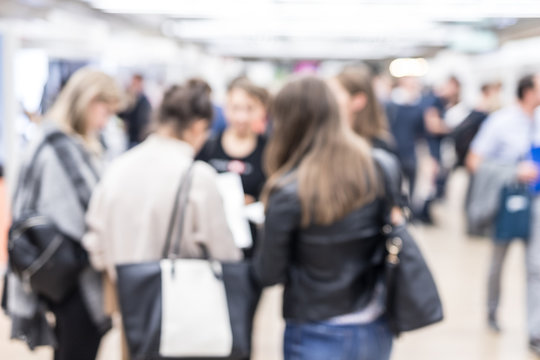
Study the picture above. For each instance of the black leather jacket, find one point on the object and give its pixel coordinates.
(327, 270)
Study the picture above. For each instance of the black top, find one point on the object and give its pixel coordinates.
(249, 168)
(327, 270)
(137, 119)
(464, 134)
(434, 140)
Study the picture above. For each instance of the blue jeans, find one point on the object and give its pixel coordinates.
(325, 341)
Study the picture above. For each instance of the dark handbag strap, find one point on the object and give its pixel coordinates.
(393, 243)
(180, 204)
(28, 173)
(58, 141)
(63, 150)
(391, 179)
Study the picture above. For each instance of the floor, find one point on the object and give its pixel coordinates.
(459, 265)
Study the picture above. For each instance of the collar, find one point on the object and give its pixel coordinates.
(172, 144)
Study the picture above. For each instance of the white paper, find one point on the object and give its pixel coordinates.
(255, 213)
(232, 192)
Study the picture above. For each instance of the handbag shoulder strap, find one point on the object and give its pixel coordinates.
(63, 151)
(180, 204)
(390, 172)
(29, 172)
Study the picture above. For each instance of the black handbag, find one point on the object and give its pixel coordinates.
(186, 308)
(47, 261)
(412, 298)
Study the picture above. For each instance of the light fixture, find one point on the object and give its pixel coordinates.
(409, 67)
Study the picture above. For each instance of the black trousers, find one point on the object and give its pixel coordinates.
(409, 170)
(77, 335)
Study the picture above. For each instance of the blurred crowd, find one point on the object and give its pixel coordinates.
(103, 164)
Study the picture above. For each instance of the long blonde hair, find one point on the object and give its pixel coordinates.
(333, 166)
(84, 86)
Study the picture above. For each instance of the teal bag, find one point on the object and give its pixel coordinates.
(513, 220)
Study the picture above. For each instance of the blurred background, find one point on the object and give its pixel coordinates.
(42, 42)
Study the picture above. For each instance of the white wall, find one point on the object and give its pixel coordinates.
(9, 105)
(507, 64)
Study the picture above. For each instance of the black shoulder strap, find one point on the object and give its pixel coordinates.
(57, 140)
(389, 166)
(180, 204)
(63, 150)
(391, 173)
(28, 173)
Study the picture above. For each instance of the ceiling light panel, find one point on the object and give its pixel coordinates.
(241, 9)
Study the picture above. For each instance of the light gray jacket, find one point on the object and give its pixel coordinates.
(483, 200)
(51, 190)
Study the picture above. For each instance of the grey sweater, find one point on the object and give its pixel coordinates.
(51, 192)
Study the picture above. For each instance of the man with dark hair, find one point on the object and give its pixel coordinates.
(137, 114)
(502, 150)
(525, 83)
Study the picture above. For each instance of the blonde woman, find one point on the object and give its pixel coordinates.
(68, 149)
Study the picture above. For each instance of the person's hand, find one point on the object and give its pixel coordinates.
(527, 172)
(396, 216)
(434, 123)
(249, 199)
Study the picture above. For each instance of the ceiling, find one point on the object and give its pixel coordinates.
(317, 29)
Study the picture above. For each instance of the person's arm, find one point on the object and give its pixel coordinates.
(486, 142)
(434, 123)
(94, 239)
(473, 161)
(526, 171)
(274, 253)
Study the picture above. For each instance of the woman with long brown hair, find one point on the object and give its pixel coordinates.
(325, 206)
(360, 108)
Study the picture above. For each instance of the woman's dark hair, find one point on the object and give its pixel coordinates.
(182, 105)
(525, 83)
(254, 91)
